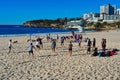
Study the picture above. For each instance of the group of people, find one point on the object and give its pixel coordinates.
(93, 45)
(89, 44)
(39, 45)
(77, 38)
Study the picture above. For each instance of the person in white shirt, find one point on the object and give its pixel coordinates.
(10, 46)
(31, 49)
(38, 44)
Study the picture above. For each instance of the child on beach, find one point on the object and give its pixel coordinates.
(53, 46)
(10, 46)
(70, 48)
(31, 49)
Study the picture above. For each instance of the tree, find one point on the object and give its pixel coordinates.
(90, 24)
(98, 25)
(118, 24)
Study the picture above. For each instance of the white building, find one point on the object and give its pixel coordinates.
(109, 13)
(91, 17)
(118, 11)
(108, 9)
(111, 18)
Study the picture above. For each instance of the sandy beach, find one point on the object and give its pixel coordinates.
(59, 66)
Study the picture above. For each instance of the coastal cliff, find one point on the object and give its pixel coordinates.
(58, 23)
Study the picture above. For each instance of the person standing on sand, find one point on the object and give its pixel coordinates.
(53, 45)
(10, 46)
(31, 49)
(89, 46)
(103, 43)
(70, 48)
(62, 40)
(94, 43)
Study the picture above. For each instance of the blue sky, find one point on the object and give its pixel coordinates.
(19, 11)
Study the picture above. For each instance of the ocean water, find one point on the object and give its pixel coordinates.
(18, 30)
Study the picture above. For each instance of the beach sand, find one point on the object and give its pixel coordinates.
(59, 66)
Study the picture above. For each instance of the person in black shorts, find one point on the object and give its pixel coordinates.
(70, 48)
(31, 49)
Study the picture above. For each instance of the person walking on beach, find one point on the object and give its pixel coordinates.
(53, 45)
(10, 46)
(70, 48)
(89, 46)
(31, 50)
